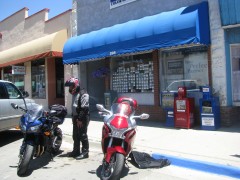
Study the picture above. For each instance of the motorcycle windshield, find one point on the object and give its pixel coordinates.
(121, 109)
(34, 112)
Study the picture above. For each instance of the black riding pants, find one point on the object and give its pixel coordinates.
(80, 135)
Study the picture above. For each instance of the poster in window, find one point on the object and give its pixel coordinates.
(196, 67)
(175, 67)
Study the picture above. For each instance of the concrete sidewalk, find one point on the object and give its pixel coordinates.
(220, 148)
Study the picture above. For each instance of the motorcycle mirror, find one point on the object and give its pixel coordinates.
(144, 116)
(15, 106)
(25, 94)
(100, 107)
(102, 114)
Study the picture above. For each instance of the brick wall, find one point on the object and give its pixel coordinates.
(229, 115)
(156, 112)
(156, 77)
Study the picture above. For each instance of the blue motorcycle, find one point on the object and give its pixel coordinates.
(41, 132)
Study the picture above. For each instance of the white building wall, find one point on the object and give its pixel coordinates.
(70, 71)
(18, 29)
(218, 52)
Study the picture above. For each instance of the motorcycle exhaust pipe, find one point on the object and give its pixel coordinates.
(42, 151)
(54, 143)
(38, 151)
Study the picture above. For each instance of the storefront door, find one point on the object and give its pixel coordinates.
(235, 62)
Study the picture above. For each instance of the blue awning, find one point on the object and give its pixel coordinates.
(187, 25)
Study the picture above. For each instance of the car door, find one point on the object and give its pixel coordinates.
(14, 96)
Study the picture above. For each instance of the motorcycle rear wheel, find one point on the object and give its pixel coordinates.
(25, 159)
(112, 170)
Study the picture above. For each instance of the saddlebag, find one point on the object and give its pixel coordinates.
(61, 112)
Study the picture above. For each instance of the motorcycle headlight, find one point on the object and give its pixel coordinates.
(23, 127)
(118, 133)
(34, 128)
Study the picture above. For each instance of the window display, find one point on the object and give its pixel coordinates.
(38, 79)
(183, 67)
(59, 78)
(186, 67)
(132, 75)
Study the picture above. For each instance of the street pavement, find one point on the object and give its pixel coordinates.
(204, 150)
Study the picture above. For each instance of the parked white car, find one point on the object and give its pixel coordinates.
(9, 93)
(191, 86)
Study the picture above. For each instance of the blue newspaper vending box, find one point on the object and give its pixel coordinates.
(167, 101)
(209, 110)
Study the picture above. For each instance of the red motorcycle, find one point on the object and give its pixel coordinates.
(118, 134)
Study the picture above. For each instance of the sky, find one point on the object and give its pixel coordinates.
(9, 7)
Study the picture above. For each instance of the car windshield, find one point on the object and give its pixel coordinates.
(189, 84)
(121, 108)
(35, 111)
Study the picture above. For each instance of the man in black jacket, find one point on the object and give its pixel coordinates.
(80, 118)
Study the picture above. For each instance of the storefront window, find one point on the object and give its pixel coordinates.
(235, 60)
(132, 74)
(187, 67)
(7, 74)
(59, 78)
(17, 78)
(38, 79)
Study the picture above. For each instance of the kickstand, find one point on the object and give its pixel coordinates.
(51, 155)
(127, 165)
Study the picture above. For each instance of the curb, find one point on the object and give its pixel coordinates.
(209, 167)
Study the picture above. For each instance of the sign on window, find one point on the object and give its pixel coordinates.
(18, 70)
(175, 67)
(117, 3)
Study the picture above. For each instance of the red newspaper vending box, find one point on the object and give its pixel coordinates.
(183, 109)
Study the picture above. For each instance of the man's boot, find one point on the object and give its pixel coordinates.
(85, 147)
(83, 155)
(76, 150)
(74, 154)
(85, 151)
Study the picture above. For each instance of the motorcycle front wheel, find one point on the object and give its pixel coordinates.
(112, 170)
(25, 159)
